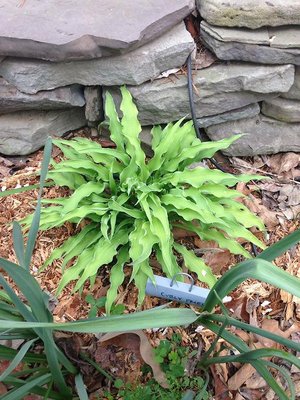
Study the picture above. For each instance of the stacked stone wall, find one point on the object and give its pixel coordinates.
(58, 60)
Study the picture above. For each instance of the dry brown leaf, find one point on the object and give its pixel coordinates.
(139, 343)
(240, 377)
(213, 256)
(272, 325)
(237, 307)
(289, 195)
(192, 25)
(270, 395)
(243, 335)
(4, 171)
(217, 260)
(239, 397)
(243, 374)
(3, 389)
(220, 388)
(204, 59)
(255, 381)
(179, 233)
(68, 306)
(269, 186)
(243, 165)
(221, 368)
(268, 217)
(288, 162)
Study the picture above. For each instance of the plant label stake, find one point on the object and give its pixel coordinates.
(171, 289)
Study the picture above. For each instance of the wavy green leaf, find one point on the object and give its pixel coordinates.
(195, 264)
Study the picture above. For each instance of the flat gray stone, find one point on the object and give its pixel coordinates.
(245, 112)
(285, 37)
(294, 92)
(24, 132)
(282, 109)
(220, 88)
(250, 13)
(242, 35)
(66, 30)
(262, 135)
(93, 106)
(282, 37)
(246, 51)
(11, 99)
(145, 63)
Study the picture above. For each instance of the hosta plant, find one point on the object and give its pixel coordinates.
(36, 363)
(130, 204)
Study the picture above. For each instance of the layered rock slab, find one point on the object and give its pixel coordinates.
(244, 112)
(24, 132)
(145, 63)
(11, 99)
(219, 89)
(66, 30)
(250, 13)
(243, 45)
(94, 105)
(282, 109)
(261, 135)
(294, 92)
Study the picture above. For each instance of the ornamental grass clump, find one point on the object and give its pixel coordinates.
(131, 204)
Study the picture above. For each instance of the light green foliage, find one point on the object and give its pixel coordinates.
(132, 204)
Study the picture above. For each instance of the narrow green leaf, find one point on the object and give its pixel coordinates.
(19, 243)
(287, 376)
(195, 264)
(251, 328)
(280, 247)
(80, 387)
(255, 355)
(199, 176)
(103, 254)
(256, 269)
(17, 359)
(22, 189)
(116, 278)
(7, 353)
(79, 194)
(259, 365)
(36, 217)
(21, 392)
(154, 318)
(115, 126)
(131, 129)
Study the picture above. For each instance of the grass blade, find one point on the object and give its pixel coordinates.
(280, 247)
(80, 388)
(259, 365)
(21, 392)
(17, 359)
(254, 355)
(6, 353)
(256, 269)
(287, 376)
(154, 318)
(36, 217)
(251, 328)
(18, 241)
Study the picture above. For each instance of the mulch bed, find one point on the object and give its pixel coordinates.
(277, 201)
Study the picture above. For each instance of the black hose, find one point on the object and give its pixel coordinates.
(193, 112)
(191, 98)
(196, 126)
